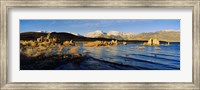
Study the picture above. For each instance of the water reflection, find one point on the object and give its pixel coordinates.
(127, 57)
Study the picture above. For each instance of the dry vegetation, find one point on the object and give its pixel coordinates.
(47, 53)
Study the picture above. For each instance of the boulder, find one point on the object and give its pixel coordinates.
(152, 42)
(73, 50)
(124, 43)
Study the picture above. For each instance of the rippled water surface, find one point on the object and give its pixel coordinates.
(127, 57)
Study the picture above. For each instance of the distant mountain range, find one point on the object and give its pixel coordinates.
(41, 31)
(163, 35)
(61, 36)
(111, 35)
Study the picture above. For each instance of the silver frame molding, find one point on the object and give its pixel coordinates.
(4, 55)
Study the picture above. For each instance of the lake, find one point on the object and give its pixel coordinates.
(127, 57)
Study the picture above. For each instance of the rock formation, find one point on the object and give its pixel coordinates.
(168, 43)
(124, 43)
(152, 42)
(101, 43)
(140, 47)
(68, 43)
(43, 45)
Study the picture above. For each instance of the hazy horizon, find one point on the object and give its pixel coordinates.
(85, 26)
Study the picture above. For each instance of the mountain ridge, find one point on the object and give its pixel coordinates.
(111, 34)
(164, 35)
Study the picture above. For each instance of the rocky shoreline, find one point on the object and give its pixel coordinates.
(48, 63)
(45, 53)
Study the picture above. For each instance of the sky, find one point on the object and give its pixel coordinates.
(84, 26)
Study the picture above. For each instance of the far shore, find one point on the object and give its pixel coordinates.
(132, 41)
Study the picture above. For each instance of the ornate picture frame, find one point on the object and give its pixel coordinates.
(4, 45)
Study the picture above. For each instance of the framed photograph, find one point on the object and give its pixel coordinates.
(103, 44)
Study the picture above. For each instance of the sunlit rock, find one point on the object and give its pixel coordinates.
(168, 43)
(157, 48)
(124, 43)
(74, 50)
(68, 43)
(140, 47)
(152, 42)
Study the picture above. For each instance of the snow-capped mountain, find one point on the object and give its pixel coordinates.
(76, 34)
(163, 35)
(97, 33)
(41, 31)
(111, 34)
(123, 35)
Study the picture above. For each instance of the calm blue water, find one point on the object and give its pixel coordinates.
(127, 57)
